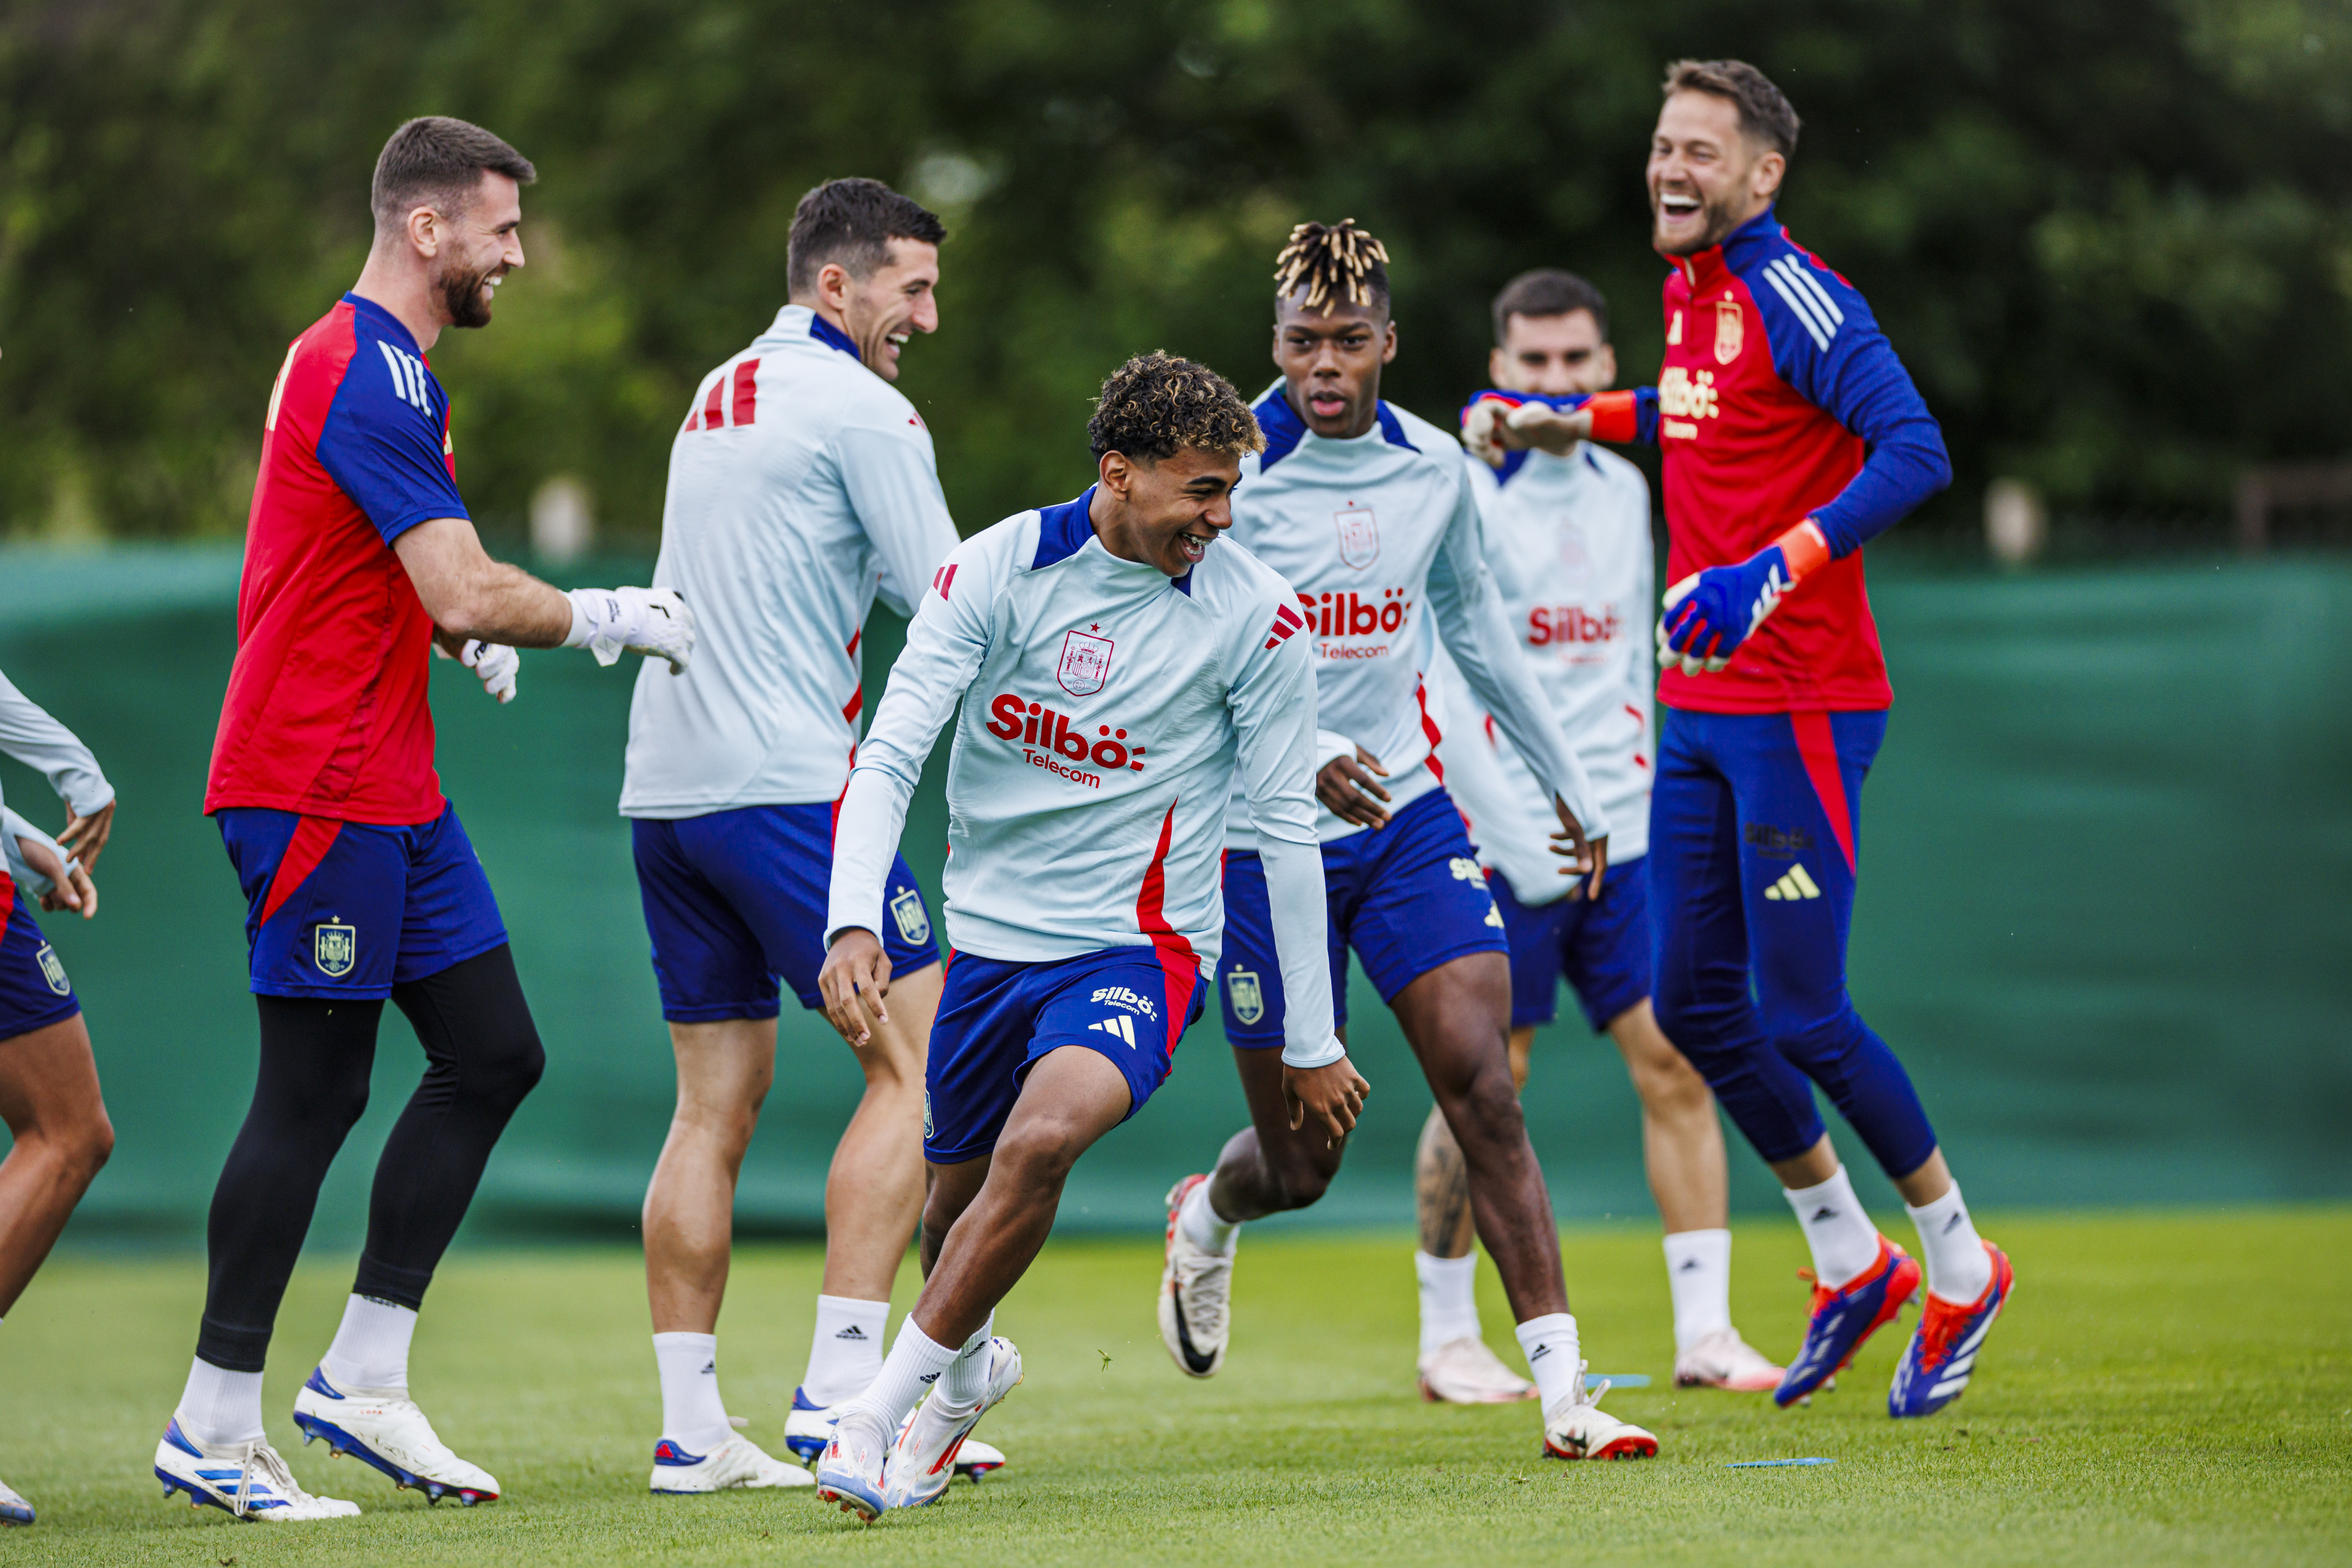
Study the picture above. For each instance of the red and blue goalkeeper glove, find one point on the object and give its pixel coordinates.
(1710, 613)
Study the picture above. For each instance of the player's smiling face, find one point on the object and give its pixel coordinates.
(1167, 514)
(477, 248)
(1553, 357)
(1331, 362)
(896, 300)
(1706, 176)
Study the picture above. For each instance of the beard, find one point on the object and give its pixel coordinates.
(1721, 218)
(462, 292)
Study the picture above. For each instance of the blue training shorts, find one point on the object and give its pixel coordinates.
(1602, 947)
(33, 991)
(735, 899)
(1408, 897)
(997, 1017)
(346, 909)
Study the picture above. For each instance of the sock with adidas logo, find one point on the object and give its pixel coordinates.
(963, 1384)
(1698, 1274)
(846, 1351)
(693, 1415)
(1553, 1356)
(1838, 1229)
(1958, 1268)
(915, 1362)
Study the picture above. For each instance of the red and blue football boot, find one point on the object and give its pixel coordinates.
(1942, 1349)
(1844, 1318)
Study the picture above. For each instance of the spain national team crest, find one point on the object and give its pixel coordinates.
(914, 920)
(1360, 536)
(335, 949)
(1246, 995)
(1730, 331)
(52, 970)
(1086, 663)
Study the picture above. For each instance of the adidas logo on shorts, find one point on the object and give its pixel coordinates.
(1117, 1025)
(1794, 885)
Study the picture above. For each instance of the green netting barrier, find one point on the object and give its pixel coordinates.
(2105, 918)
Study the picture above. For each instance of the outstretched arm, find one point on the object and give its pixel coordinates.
(473, 598)
(28, 734)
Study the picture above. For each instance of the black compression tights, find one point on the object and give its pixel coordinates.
(316, 1057)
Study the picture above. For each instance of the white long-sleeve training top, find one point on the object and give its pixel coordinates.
(1568, 541)
(802, 486)
(1109, 715)
(1368, 532)
(28, 734)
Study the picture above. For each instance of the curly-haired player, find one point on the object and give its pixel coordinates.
(1121, 674)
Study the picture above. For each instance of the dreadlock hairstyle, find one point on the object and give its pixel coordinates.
(1333, 262)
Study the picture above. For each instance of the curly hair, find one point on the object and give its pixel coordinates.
(1332, 260)
(1155, 404)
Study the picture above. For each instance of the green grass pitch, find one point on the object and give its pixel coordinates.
(2166, 1388)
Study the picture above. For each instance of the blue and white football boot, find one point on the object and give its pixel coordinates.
(809, 1428)
(1844, 1318)
(246, 1480)
(14, 1510)
(1938, 1363)
(737, 1462)
(853, 1470)
(383, 1428)
(922, 1462)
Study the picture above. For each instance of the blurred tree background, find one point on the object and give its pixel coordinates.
(2111, 238)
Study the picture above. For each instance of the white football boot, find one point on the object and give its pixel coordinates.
(809, 1428)
(250, 1481)
(737, 1462)
(1582, 1430)
(1724, 1360)
(1196, 1290)
(1464, 1372)
(854, 1467)
(383, 1427)
(14, 1510)
(922, 1462)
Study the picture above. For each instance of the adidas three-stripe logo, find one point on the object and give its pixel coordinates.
(1795, 885)
(1806, 296)
(1117, 1025)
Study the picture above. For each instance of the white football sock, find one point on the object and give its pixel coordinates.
(693, 1415)
(1553, 1358)
(370, 1348)
(846, 1351)
(1958, 1268)
(1449, 1300)
(964, 1382)
(1845, 1242)
(1204, 1226)
(220, 1406)
(1698, 1273)
(916, 1362)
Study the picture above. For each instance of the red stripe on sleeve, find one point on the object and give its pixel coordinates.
(746, 392)
(1178, 963)
(1429, 728)
(712, 419)
(313, 836)
(1817, 744)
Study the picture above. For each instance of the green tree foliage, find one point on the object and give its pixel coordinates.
(2112, 237)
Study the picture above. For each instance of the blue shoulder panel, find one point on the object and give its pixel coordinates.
(1393, 429)
(1280, 425)
(382, 440)
(832, 337)
(1063, 531)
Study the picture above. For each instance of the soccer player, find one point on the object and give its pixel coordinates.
(1569, 540)
(49, 1079)
(1121, 673)
(359, 881)
(1790, 435)
(802, 484)
(1368, 512)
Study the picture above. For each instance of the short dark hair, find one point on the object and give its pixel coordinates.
(1765, 114)
(1332, 262)
(1547, 291)
(1155, 404)
(852, 223)
(441, 160)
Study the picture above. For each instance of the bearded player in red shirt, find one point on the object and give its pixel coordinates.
(1790, 434)
(360, 882)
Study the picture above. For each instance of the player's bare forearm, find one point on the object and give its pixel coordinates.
(469, 595)
(1543, 428)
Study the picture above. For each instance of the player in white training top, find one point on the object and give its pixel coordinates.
(800, 487)
(1569, 539)
(1121, 674)
(1369, 513)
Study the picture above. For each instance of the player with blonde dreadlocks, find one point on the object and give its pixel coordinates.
(1369, 514)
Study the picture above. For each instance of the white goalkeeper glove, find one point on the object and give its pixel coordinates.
(495, 664)
(609, 622)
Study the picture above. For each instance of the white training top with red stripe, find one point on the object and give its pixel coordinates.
(1109, 715)
(801, 486)
(1380, 538)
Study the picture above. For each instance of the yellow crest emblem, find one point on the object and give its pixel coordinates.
(1730, 331)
